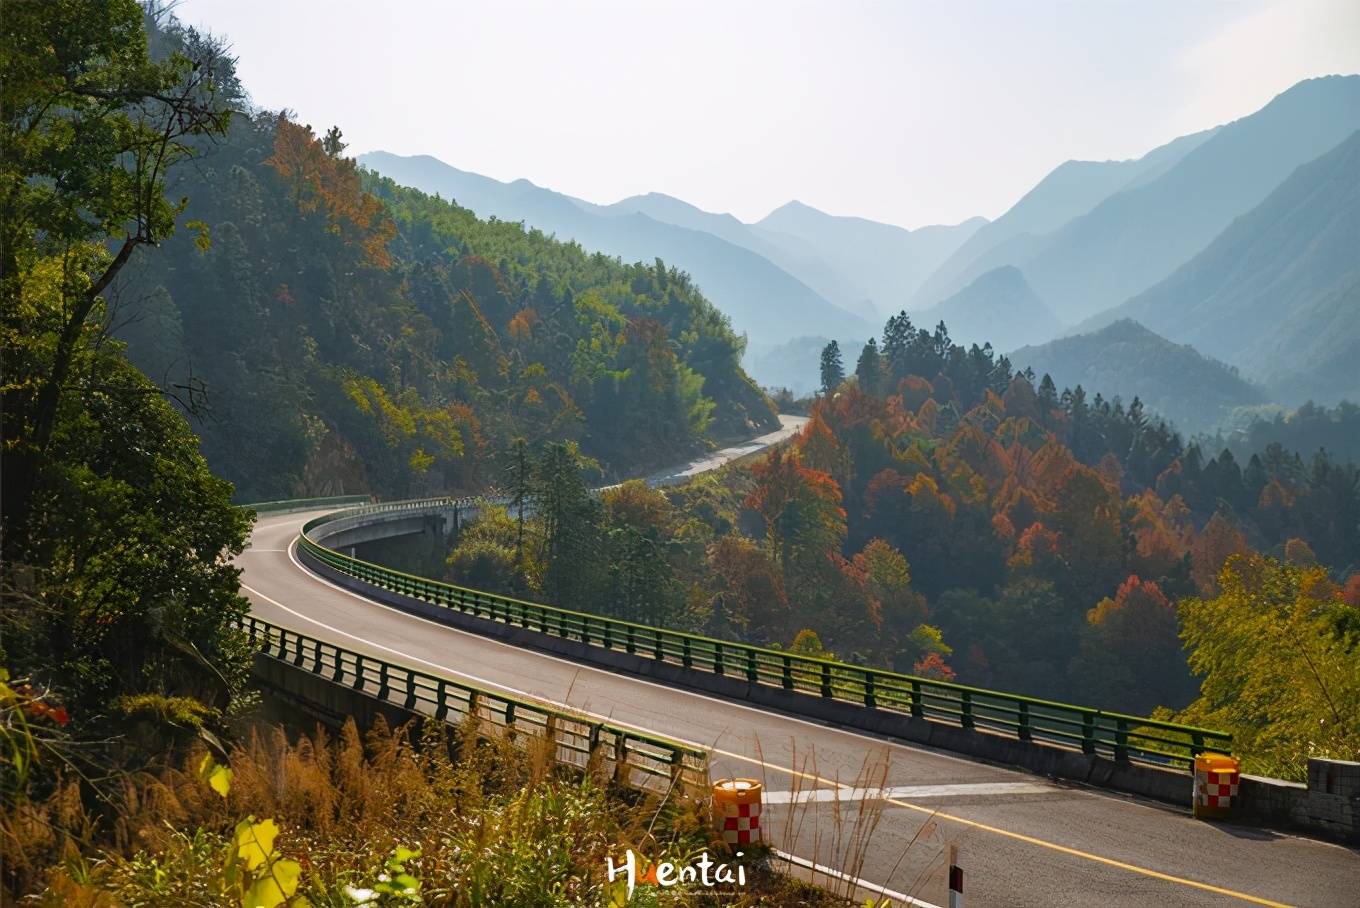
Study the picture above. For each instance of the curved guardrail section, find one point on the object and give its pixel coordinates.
(1117, 736)
(636, 760)
(304, 504)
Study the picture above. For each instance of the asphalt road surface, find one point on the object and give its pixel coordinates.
(881, 811)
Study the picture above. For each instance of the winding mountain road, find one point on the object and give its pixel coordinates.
(881, 810)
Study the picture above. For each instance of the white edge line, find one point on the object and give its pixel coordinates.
(836, 874)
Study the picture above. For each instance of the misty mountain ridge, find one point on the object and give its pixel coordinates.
(999, 308)
(1070, 190)
(885, 263)
(1175, 204)
(1278, 292)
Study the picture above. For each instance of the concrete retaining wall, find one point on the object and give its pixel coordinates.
(1329, 803)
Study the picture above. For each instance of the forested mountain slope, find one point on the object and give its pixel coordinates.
(1125, 358)
(762, 300)
(354, 334)
(1278, 293)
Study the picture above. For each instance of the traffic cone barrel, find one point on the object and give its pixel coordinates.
(737, 805)
(1216, 780)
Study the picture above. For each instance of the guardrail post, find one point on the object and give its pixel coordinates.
(474, 708)
(870, 700)
(510, 719)
(359, 671)
(677, 768)
(966, 709)
(787, 674)
(339, 675)
(918, 710)
(441, 700)
(1196, 744)
(717, 658)
(382, 681)
(752, 674)
(660, 653)
(1022, 730)
(593, 743)
(826, 680)
(608, 636)
(585, 630)
(620, 758)
(686, 657)
(410, 702)
(298, 658)
(1088, 733)
(1121, 740)
(550, 732)
(630, 643)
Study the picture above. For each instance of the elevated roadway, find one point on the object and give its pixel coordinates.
(880, 811)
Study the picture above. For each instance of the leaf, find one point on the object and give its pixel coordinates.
(275, 887)
(255, 842)
(220, 780)
(218, 777)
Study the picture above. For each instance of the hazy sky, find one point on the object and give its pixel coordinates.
(912, 112)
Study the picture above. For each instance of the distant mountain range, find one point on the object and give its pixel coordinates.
(1180, 197)
(1239, 240)
(881, 265)
(1182, 385)
(1068, 192)
(1278, 293)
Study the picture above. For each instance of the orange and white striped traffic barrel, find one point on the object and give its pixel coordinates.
(737, 805)
(1216, 779)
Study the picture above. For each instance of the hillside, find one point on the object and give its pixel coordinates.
(348, 333)
(1278, 292)
(1069, 191)
(999, 308)
(1128, 360)
(885, 263)
(762, 300)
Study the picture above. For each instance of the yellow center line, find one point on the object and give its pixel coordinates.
(1018, 836)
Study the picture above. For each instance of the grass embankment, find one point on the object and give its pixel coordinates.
(435, 817)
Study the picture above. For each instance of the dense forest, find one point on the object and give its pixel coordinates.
(944, 515)
(337, 332)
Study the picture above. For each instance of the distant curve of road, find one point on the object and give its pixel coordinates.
(1024, 839)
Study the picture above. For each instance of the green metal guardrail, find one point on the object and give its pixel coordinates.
(636, 760)
(1116, 736)
(305, 504)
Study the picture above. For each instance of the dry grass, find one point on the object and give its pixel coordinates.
(495, 821)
